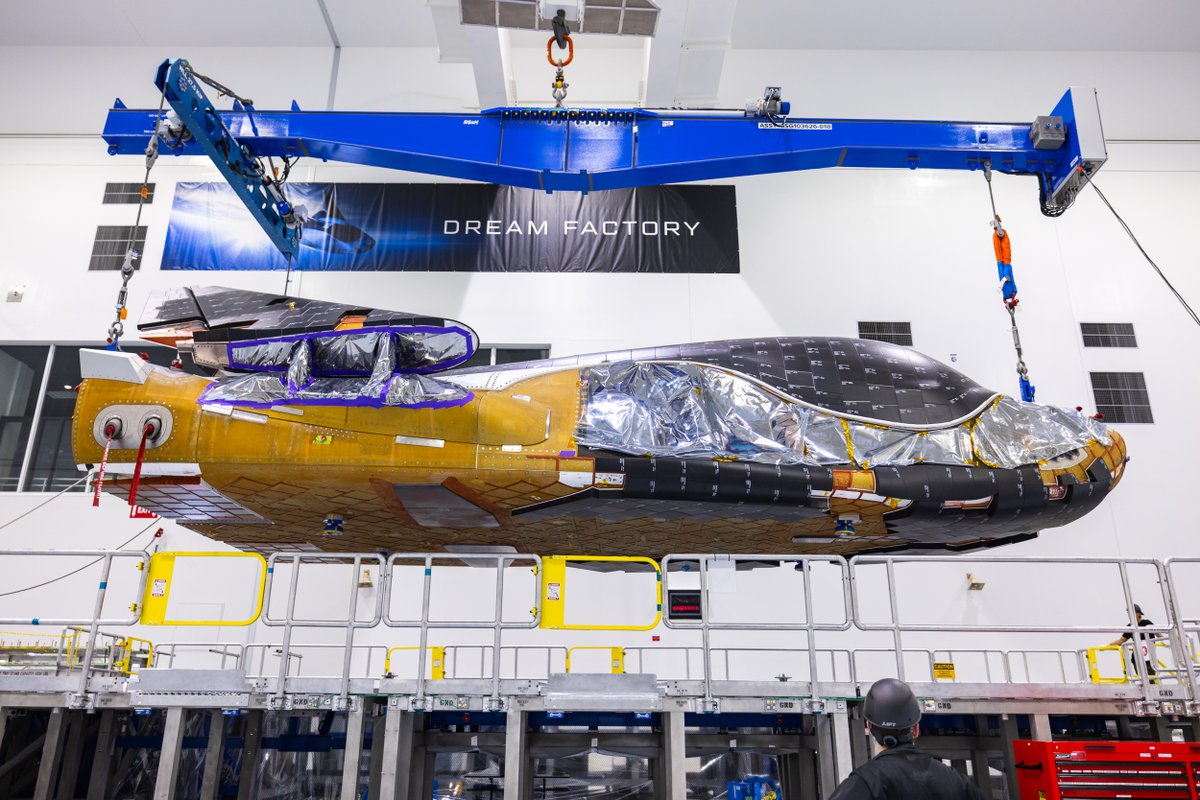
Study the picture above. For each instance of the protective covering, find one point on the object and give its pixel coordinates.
(300, 367)
(360, 367)
(1023, 432)
(346, 353)
(681, 409)
(422, 351)
(259, 390)
(260, 354)
(356, 351)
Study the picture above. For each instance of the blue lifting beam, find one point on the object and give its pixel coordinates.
(585, 149)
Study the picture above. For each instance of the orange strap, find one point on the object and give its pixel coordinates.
(1003, 247)
(570, 52)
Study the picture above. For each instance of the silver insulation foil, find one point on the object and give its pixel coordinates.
(674, 409)
(417, 390)
(426, 350)
(384, 366)
(300, 367)
(270, 353)
(381, 387)
(346, 352)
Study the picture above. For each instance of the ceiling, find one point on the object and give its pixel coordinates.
(1159, 25)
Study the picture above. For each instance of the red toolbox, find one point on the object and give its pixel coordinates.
(1054, 770)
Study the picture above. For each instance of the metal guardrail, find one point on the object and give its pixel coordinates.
(897, 627)
(842, 608)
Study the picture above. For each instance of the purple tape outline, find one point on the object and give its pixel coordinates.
(296, 337)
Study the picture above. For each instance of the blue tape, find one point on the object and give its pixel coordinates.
(35, 621)
(270, 570)
(103, 584)
(428, 570)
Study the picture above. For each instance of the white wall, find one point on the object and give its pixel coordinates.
(820, 250)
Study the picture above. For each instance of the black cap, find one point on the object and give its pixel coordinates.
(891, 704)
(1137, 609)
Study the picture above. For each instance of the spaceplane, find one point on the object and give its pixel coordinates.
(340, 428)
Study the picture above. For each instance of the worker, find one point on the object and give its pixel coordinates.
(901, 771)
(1003, 247)
(1146, 645)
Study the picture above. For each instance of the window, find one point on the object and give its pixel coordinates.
(1107, 334)
(488, 354)
(115, 193)
(1122, 396)
(21, 370)
(112, 242)
(894, 332)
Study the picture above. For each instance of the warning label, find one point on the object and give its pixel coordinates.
(159, 588)
(553, 591)
(796, 126)
(943, 670)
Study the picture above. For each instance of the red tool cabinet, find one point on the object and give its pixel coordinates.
(1054, 770)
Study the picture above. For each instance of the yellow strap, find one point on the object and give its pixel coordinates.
(849, 441)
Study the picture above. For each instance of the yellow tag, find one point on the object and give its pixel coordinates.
(943, 670)
(323, 438)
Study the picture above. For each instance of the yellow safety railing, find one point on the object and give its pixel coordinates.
(554, 592)
(73, 647)
(158, 590)
(616, 657)
(125, 663)
(59, 638)
(437, 657)
(1093, 662)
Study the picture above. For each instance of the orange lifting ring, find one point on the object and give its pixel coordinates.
(570, 52)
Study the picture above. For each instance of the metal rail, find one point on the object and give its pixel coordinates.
(831, 659)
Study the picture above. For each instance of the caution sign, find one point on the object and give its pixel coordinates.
(943, 671)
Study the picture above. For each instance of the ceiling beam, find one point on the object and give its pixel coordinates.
(685, 58)
(451, 34)
(663, 55)
(492, 62)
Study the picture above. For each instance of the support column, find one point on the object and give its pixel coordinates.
(1008, 735)
(376, 769)
(674, 757)
(169, 755)
(860, 745)
(1160, 729)
(428, 774)
(658, 768)
(356, 720)
(77, 725)
(252, 745)
(843, 761)
(982, 773)
(51, 755)
(98, 781)
(1040, 727)
(518, 767)
(214, 756)
(397, 754)
(827, 769)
